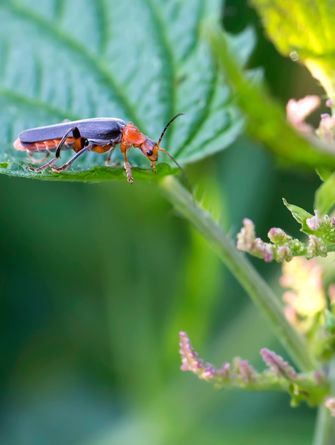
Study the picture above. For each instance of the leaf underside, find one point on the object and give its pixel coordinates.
(305, 30)
(139, 60)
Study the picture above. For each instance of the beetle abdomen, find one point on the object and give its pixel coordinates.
(50, 144)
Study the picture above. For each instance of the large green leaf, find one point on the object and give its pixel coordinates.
(305, 30)
(140, 60)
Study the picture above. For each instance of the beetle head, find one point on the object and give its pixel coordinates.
(151, 148)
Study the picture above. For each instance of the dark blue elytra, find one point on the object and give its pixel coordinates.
(103, 129)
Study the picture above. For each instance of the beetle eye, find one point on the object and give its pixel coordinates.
(149, 152)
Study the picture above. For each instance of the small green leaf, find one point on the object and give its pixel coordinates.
(304, 29)
(325, 196)
(300, 215)
(142, 61)
(323, 173)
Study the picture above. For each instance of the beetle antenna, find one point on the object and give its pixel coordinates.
(172, 158)
(169, 154)
(187, 181)
(167, 126)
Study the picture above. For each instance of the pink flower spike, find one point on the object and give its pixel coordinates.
(246, 371)
(277, 364)
(190, 360)
(208, 373)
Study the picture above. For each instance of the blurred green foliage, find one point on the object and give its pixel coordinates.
(305, 31)
(96, 281)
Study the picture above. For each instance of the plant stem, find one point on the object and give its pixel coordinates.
(325, 423)
(324, 427)
(243, 271)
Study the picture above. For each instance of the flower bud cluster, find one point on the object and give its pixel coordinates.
(283, 247)
(240, 374)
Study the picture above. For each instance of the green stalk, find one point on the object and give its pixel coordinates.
(243, 271)
(324, 429)
(325, 423)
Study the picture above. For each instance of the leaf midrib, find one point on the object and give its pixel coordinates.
(162, 34)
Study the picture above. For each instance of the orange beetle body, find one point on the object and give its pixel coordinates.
(100, 135)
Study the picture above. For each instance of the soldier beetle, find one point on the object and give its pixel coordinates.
(99, 135)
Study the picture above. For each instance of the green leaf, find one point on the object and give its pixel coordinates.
(266, 119)
(325, 196)
(142, 61)
(304, 29)
(300, 215)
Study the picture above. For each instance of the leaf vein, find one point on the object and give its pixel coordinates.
(162, 36)
(202, 117)
(25, 100)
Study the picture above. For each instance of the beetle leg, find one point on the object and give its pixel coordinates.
(70, 161)
(42, 167)
(78, 144)
(124, 147)
(127, 168)
(153, 166)
(108, 162)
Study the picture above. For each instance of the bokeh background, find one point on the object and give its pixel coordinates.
(97, 280)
